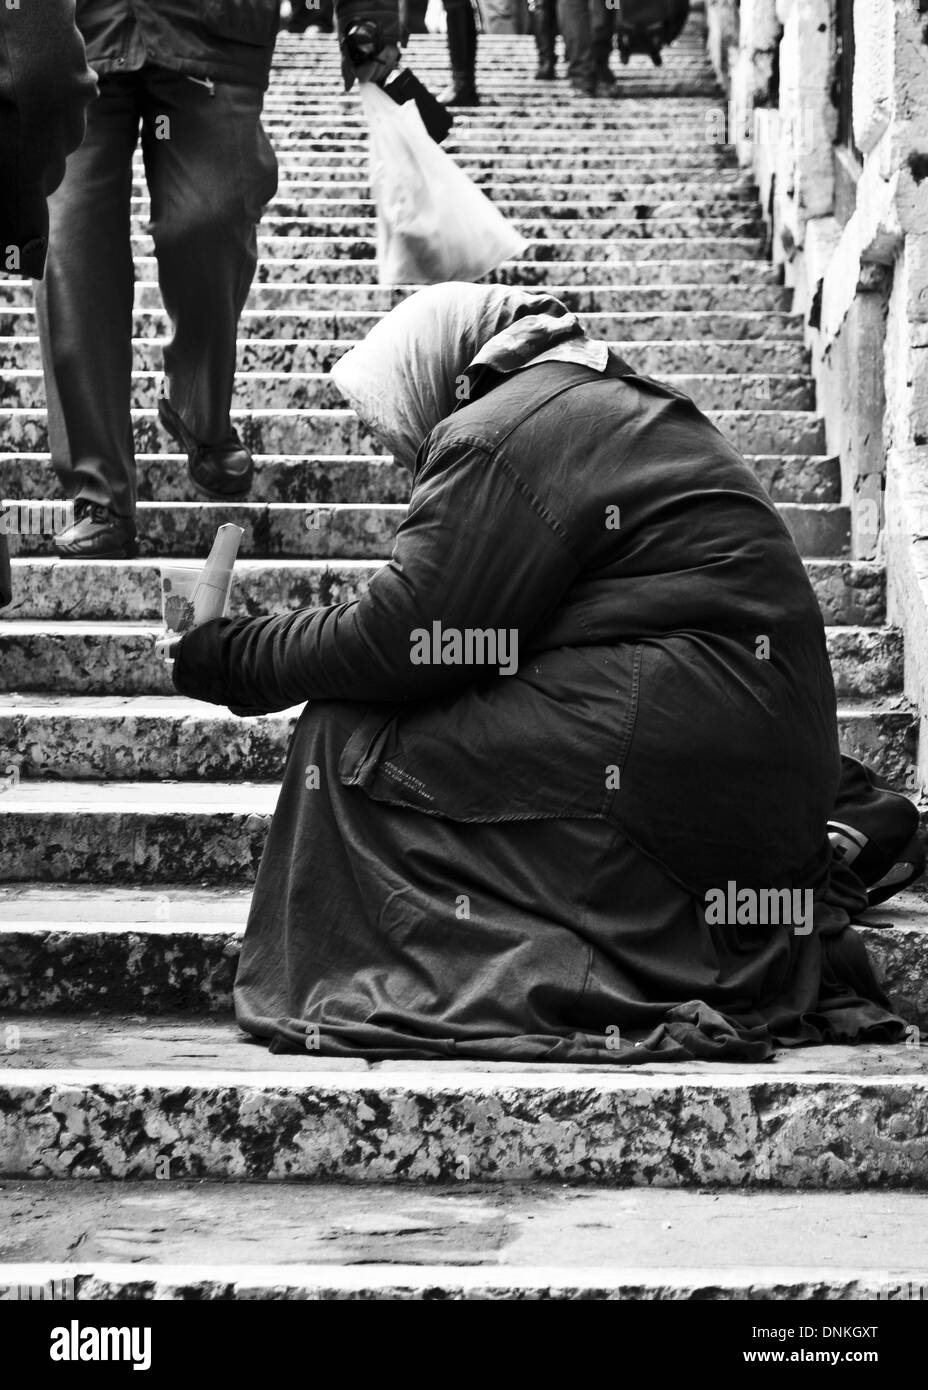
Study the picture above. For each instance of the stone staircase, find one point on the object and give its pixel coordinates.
(131, 821)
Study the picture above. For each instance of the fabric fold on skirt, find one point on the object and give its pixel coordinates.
(379, 932)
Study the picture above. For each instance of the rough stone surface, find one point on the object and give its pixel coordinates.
(474, 1239)
(782, 1126)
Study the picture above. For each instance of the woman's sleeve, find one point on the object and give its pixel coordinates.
(475, 551)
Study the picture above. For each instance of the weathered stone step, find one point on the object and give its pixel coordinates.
(357, 531)
(616, 251)
(84, 1098)
(644, 129)
(289, 431)
(884, 734)
(281, 261)
(367, 478)
(113, 660)
(521, 187)
(316, 391)
(652, 357)
(848, 591)
(170, 949)
(110, 832)
(336, 194)
(672, 168)
(552, 226)
(466, 1240)
(275, 295)
(356, 215)
(213, 832)
(637, 150)
(351, 325)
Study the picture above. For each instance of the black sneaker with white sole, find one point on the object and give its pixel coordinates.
(96, 533)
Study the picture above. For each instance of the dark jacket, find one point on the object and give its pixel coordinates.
(45, 85)
(225, 40)
(682, 647)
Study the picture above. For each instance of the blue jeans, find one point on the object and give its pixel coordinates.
(209, 181)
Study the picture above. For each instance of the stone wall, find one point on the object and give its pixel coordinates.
(859, 274)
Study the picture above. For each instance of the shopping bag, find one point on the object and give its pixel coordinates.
(433, 224)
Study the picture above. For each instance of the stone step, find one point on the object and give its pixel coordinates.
(630, 149)
(463, 1240)
(213, 832)
(515, 196)
(759, 356)
(275, 295)
(614, 252)
(280, 262)
(351, 325)
(356, 216)
(289, 431)
(848, 591)
(361, 478)
(25, 389)
(106, 1098)
(519, 186)
(363, 531)
(334, 280)
(541, 227)
(169, 949)
(115, 660)
(673, 168)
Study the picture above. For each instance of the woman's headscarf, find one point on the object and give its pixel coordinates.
(425, 358)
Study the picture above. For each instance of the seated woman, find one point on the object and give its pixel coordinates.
(561, 787)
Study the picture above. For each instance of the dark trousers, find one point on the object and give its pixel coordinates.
(462, 37)
(210, 170)
(587, 26)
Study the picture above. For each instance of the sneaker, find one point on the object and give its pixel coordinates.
(582, 88)
(220, 471)
(96, 533)
(607, 88)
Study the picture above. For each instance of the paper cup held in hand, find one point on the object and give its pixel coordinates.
(178, 585)
(194, 594)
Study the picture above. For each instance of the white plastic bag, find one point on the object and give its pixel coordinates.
(433, 224)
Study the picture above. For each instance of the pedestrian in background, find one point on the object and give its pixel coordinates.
(192, 77)
(462, 54)
(588, 26)
(45, 85)
(543, 21)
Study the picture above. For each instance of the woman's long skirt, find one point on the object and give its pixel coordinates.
(377, 931)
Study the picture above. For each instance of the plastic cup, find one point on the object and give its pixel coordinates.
(178, 586)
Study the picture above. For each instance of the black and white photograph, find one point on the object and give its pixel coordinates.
(463, 663)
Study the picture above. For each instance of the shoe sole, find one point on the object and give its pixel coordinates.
(126, 552)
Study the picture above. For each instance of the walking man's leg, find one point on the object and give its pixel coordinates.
(84, 308)
(574, 20)
(543, 17)
(210, 170)
(462, 53)
(602, 27)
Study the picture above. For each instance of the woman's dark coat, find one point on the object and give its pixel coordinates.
(673, 691)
